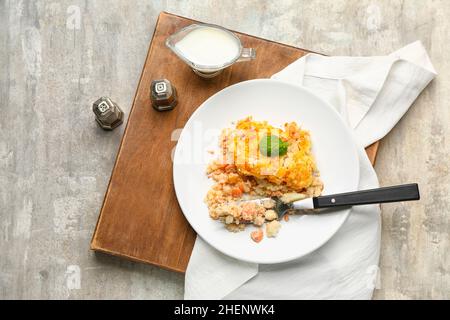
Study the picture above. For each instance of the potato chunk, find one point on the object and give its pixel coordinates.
(272, 228)
(270, 215)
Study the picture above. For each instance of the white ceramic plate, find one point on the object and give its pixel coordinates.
(277, 102)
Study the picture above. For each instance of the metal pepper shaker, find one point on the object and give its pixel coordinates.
(163, 95)
(107, 113)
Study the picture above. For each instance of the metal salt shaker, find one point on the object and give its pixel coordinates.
(163, 95)
(107, 113)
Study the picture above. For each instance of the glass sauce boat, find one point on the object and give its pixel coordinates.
(208, 49)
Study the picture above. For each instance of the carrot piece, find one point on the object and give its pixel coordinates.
(236, 192)
(257, 235)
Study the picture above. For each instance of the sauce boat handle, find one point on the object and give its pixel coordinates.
(247, 54)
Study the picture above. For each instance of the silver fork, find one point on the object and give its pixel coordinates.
(405, 192)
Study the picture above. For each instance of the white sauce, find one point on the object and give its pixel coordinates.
(208, 46)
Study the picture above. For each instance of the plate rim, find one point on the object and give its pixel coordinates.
(345, 214)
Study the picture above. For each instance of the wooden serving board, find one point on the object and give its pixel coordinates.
(140, 218)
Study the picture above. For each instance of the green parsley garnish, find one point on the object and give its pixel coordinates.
(272, 146)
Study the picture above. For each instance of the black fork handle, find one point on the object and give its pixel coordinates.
(405, 192)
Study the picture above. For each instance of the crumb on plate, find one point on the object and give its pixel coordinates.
(257, 235)
(272, 228)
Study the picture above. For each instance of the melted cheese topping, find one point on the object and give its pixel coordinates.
(296, 168)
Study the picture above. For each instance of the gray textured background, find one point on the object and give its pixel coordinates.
(55, 162)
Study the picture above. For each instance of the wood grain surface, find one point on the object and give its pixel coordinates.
(140, 218)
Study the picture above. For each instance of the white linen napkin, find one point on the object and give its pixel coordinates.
(371, 94)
